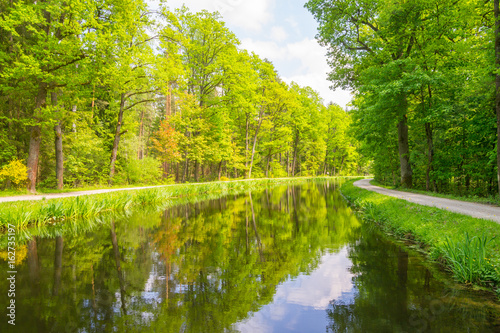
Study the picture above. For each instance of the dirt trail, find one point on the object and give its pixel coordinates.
(467, 208)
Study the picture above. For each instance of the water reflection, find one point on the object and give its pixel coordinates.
(290, 259)
(395, 292)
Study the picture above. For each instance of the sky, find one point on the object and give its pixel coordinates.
(282, 31)
(300, 304)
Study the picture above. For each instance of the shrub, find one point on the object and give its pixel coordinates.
(145, 171)
(14, 173)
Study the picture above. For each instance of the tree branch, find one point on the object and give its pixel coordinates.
(143, 101)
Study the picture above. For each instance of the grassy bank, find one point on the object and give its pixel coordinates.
(468, 247)
(24, 214)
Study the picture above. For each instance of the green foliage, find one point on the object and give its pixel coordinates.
(15, 172)
(427, 62)
(468, 260)
(145, 171)
(86, 158)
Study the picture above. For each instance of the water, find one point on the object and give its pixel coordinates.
(288, 259)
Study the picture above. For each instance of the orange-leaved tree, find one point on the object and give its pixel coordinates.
(166, 143)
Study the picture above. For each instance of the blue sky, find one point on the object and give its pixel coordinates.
(282, 31)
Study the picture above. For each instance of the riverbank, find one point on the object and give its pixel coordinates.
(69, 206)
(468, 247)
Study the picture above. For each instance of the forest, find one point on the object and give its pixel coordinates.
(113, 92)
(426, 80)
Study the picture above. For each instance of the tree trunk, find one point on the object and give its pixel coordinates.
(220, 170)
(246, 145)
(185, 175)
(196, 167)
(497, 82)
(342, 164)
(288, 164)
(35, 140)
(165, 170)
(140, 153)
(58, 145)
(168, 103)
(177, 172)
(430, 155)
(254, 145)
(73, 126)
(404, 153)
(116, 142)
(294, 161)
(267, 166)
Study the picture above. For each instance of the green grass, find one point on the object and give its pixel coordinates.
(468, 260)
(468, 247)
(26, 214)
(491, 200)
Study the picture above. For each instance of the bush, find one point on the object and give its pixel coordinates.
(224, 179)
(14, 173)
(145, 171)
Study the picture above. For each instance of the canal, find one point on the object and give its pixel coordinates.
(285, 259)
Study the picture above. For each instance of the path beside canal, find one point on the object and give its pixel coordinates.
(467, 208)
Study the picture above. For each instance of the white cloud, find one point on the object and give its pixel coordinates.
(249, 15)
(328, 282)
(306, 64)
(265, 49)
(331, 280)
(278, 34)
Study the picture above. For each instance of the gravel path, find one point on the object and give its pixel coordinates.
(467, 208)
(68, 194)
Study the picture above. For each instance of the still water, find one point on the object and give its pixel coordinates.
(286, 259)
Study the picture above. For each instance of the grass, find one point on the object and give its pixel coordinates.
(491, 200)
(25, 214)
(468, 247)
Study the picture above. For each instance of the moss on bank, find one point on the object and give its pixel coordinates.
(468, 247)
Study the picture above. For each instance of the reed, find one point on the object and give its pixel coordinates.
(468, 260)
